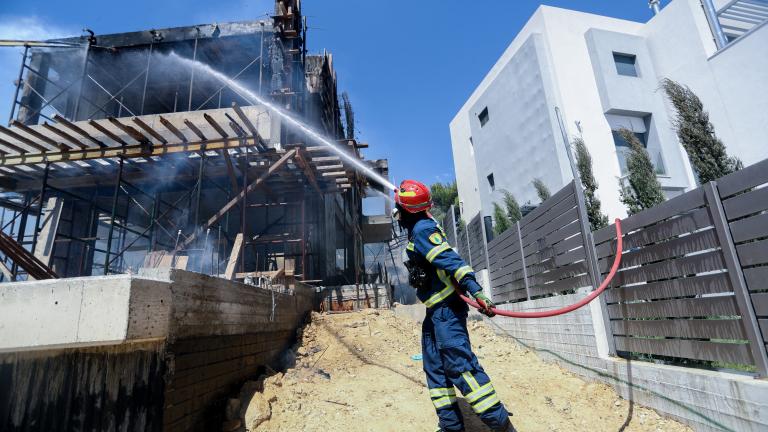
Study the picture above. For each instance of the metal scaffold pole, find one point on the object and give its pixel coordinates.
(115, 197)
(18, 84)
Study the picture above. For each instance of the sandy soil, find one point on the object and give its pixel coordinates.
(354, 372)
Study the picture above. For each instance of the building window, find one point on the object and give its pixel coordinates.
(491, 182)
(640, 127)
(625, 64)
(483, 117)
(623, 150)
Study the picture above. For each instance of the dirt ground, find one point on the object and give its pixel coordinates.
(354, 372)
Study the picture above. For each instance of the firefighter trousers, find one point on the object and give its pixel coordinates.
(449, 362)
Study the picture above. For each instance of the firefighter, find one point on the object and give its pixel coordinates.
(448, 358)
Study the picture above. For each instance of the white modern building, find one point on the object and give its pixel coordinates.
(603, 74)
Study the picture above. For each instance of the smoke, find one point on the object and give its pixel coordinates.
(21, 28)
(255, 99)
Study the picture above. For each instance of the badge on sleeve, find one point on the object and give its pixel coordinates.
(436, 239)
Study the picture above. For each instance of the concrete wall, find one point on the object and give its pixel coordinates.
(110, 388)
(705, 400)
(574, 59)
(517, 144)
(173, 346)
(731, 83)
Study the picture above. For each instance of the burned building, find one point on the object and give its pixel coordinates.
(135, 150)
(173, 168)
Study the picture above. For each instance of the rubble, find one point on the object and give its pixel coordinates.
(375, 386)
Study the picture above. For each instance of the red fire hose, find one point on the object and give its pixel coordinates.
(566, 309)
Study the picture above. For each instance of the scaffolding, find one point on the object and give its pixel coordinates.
(117, 159)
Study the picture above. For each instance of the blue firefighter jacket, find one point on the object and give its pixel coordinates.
(428, 242)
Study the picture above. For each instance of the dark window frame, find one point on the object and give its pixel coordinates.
(483, 117)
(623, 62)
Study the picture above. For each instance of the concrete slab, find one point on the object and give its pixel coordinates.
(81, 312)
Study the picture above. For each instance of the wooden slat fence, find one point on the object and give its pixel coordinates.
(449, 226)
(744, 196)
(476, 236)
(693, 282)
(462, 246)
(679, 291)
(543, 254)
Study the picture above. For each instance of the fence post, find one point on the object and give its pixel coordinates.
(522, 260)
(469, 248)
(484, 235)
(736, 276)
(452, 219)
(591, 256)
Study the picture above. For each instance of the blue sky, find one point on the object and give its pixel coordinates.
(407, 65)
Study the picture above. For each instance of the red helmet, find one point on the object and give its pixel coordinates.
(413, 196)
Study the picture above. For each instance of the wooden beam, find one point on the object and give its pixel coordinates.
(246, 121)
(234, 201)
(72, 140)
(47, 235)
(230, 170)
(13, 147)
(302, 162)
(21, 139)
(127, 151)
(133, 133)
(211, 121)
(107, 132)
(239, 131)
(148, 129)
(328, 167)
(174, 130)
(326, 159)
(248, 124)
(78, 130)
(38, 135)
(234, 257)
(195, 130)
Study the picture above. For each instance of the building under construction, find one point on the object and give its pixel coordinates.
(166, 228)
(120, 156)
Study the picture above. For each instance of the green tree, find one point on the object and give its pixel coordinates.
(500, 218)
(444, 196)
(697, 134)
(513, 207)
(541, 189)
(644, 189)
(597, 219)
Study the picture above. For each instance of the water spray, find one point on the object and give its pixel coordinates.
(255, 99)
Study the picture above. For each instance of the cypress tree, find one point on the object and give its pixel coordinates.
(597, 219)
(501, 219)
(697, 134)
(513, 207)
(644, 189)
(541, 189)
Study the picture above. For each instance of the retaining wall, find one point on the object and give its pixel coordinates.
(706, 400)
(158, 351)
